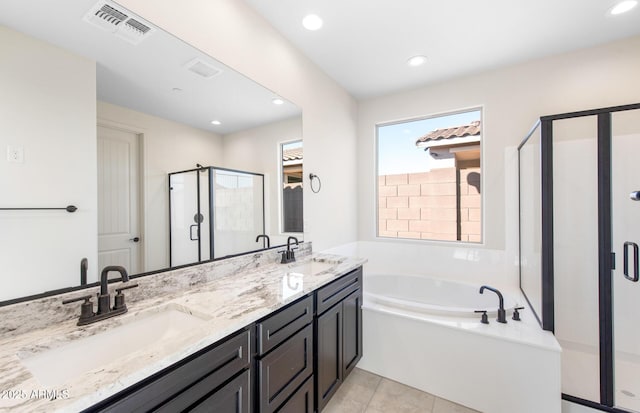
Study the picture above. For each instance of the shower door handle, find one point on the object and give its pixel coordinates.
(197, 232)
(636, 268)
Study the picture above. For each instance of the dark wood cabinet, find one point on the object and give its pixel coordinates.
(284, 369)
(292, 361)
(285, 355)
(338, 334)
(181, 386)
(352, 331)
(301, 401)
(329, 354)
(234, 397)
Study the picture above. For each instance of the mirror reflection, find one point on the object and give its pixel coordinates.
(144, 134)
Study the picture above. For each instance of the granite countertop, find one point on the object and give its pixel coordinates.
(225, 305)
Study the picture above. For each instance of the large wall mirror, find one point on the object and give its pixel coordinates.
(170, 156)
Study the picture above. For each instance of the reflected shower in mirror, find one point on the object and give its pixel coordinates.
(99, 108)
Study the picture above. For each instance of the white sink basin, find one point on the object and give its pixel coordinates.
(56, 366)
(311, 268)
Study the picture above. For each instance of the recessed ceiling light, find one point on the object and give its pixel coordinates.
(216, 122)
(623, 7)
(277, 101)
(417, 61)
(312, 22)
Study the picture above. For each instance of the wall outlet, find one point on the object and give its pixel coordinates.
(15, 154)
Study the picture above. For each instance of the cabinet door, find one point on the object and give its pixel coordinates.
(231, 398)
(329, 368)
(351, 332)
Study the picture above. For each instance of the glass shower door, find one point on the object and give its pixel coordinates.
(575, 245)
(238, 211)
(625, 177)
(189, 238)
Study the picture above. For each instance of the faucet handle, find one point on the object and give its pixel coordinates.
(516, 313)
(86, 309)
(86, 298)
(118, 301)
(126, 287)
(484, 319)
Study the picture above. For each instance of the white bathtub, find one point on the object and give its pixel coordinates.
(433, 295)
(423, 332)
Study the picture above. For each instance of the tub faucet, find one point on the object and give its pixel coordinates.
(502, 318)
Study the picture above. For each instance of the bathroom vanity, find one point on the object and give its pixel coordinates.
(265, 338)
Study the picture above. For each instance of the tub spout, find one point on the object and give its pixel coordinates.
(502, 317)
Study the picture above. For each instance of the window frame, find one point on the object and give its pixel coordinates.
(280, 183)
(376, 197)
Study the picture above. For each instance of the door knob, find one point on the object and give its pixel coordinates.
(135, 239)
(635, 196)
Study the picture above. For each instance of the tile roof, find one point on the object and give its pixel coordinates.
(455, 132)
(294, 154)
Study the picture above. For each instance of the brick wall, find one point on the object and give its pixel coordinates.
(431, 205)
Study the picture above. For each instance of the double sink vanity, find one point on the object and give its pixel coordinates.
(246, 334)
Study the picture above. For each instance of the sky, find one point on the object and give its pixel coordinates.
(397, 150)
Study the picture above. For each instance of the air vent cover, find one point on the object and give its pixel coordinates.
(202, 68)
(118, 21)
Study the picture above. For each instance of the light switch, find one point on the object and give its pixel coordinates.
(15, 154)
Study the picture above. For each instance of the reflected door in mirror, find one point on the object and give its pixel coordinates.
(118, 197)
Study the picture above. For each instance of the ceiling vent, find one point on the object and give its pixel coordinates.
(202, 68)
(118, 21)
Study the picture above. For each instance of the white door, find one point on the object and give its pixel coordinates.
(625, 214)
(119, 240)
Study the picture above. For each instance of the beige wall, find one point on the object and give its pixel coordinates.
(512, 98)
(47, 108)
(235, 34)
(257, 150)
(166, 147)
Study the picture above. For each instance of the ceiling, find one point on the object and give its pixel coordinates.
(364, 44)
(143, 76)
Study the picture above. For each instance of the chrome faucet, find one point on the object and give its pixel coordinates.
(266, 237)
(87, 316)
(502, 318)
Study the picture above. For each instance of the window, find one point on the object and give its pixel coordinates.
(429, 178)
(291, 156)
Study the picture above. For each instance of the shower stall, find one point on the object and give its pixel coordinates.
(214, 212)
(579, 180)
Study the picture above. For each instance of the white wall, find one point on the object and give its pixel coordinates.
(258, 150)
(166, 147)
(512, 99)
(48, 108)
(235, 34)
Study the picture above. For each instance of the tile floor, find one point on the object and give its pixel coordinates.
(365, 392)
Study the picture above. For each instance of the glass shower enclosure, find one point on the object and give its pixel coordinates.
(579, 177)
(214, 212)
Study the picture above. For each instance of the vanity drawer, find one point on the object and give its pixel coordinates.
(284, 369)
(196, 377)
(280, 326)
(301, 401)
(333, 293)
